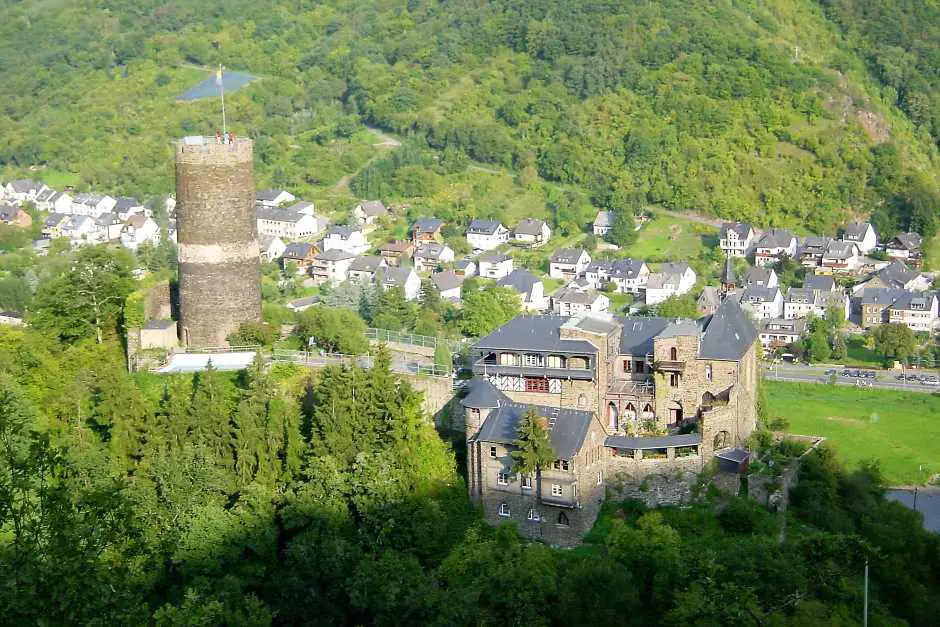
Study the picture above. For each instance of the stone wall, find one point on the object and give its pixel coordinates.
(157, 302)
(438, 392)
(655, 490)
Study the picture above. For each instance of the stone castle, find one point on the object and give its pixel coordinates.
(624, 397)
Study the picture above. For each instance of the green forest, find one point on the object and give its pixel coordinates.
(792, 113)
(283, 496)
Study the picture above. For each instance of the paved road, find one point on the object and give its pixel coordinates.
(816, 374)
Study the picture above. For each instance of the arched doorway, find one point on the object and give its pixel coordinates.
(722, 440)
(675, 413)
(613, 417)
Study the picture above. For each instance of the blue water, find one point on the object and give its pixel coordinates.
(208, 89)
(928, 504)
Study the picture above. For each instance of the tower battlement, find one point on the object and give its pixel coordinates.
(199, 149)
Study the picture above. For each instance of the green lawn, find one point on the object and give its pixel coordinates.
(899, 429)
(932, 253)
(667, 238)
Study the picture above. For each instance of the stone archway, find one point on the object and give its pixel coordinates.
(722, 440)
(613, 417)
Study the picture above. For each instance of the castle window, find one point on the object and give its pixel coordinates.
(563, 519)
(556, 490)
(600, 477)
(526, 481)
(626, 365)
(536, 384)
(673, 354)
(648, 408)
(533, 515)
(504, 510)
(492, 451)
(564, 464)
(674, 380)
(708, 372)
(502, 478)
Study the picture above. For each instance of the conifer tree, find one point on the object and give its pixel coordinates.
(534, 449)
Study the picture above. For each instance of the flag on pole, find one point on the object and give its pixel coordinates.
(218, 77)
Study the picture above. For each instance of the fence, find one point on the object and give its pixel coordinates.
(316, 359)
(414, 339)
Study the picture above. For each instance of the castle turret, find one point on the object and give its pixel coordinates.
(220, 267)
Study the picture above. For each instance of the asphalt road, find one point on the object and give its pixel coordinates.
(884, 379)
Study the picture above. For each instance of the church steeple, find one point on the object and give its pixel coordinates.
(728, 279)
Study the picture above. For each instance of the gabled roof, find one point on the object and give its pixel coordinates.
(629, 268)
(758, 276)
(779, 325)
(815, 244)
(269, 195)
(575, 297)
(430, 250)
(567, 255)
(896, 274)
(856, 231)
(342, 231)
(302, 206)
(137, 220)
(520, 280)
(24, 186)
(334, 254)
(776, 238)
(396, 276)
(530, 226)
(916, 301)
(8, 213)
(463, 264)
(297, 250)
(366, 263)
(604, 218)
(278, 214)
(373, 208)
(759, 294)
(484, 227)
(46, 195)
(447, 280)
(567, 428)
(494, 257)
(679, 268)
(728, 334)
(841, 250)
(801, 295)
(883, 296)
(483, 395)
(910, 241)
(55, 219)
(401, 246)
(727, 275)
(265, 241)
(124, 203)
(740, 228)
(822, 282)
(538, 333)
(427, 225)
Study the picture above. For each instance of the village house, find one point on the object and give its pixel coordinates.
(22, 190)
(820, 282)
(905, 246)
(426, 230)
(800, 302)
(287, 223)
(54, 225)
(628, 275)
(603, 222)
(530, 289)
(777, 333)
(126, 206)
(671, 279)
(54, 202)
(915, 310)
(91, 204)
(760, 276)
(486, 234)
(139, 229)
(735, 239)
(532, 232)
(302, 304)
(773, 246)
(841, 256)
(273, 197)
(708, 301)
(622, 399)
(404, 277)
(14, 216)
(369, 212)
(364, 268)
(765, 302)
(465, 267)
(271, 247)
(862, 234)
(109, 227)
(80, 229)
(813, 249)
(394, 253)
(571, 302)
(494, 265)
(430, 254)
(11, 318)
(331, 266)
(299, 254)
(348, 238)
(896, 275)
(448, 284)
(568, 263)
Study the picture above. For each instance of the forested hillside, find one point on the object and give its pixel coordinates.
(785, 113)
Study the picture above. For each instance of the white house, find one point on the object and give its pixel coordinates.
(273, 197)
(863, 235)
(760, 276)
(139, 229)
(271, 246)
(916, 310)
(448, 284)
(671, 279)
(765, 302)
(404, 277)
(79, 228)
(773, 246)
(430, 254)
(287, 223)
(735, 239)
(331, 266)
(58, 202)
(495, 265)
(897, 275)
(108, 227)
(532, 232)
(528, 286)
(776, 333)
(803, 301)
(905, 246)
(368, 212)
(570, 302)
(465, 267)
(603, 222)
(22, 190)
(348, 238)
(364, 268)
(632, 275)
(568, 263)
(841, 255)
(55, 225)
(94, 205)
(126, 206)
(486, 234)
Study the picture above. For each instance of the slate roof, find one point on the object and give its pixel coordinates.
(759, 294)
(302, 206)
(88, 198)
(400, 246)
(604, 218)
(520, 280)
(530, 226)
(446, 280)
(910, 241)
(334, 254)
(306, 301)
(627, 268)
(840, 250)
(297, 250)
(265, 241)
(881, 295)
(775, 238)
(915, 301)
(674, 267)
(483, 395)
(819, 282)
(373, 208)
(727, 275)
(897, 274)
(855, 232)
(796, 326)
(483, 227)
(567, 428)
(567, 255)
(815, 244)
(681, 328)
(366, 263)
(278, 214)
(742, 229)
(46, 194)
(24, 186)
(659, 280)
(430, 250)
(537, 333)
(137, 220)
(573, 296)
(463, 264)
(125, 203)
(806, 295)
(427, 225)
(55, 219)
(664, 441)
(757, 276)
(728, 334)
(494, 257)
(396, 276)
(268, 195)
(343, 231)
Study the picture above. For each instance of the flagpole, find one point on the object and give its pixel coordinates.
(222, 91)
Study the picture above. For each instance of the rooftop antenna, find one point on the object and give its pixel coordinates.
(221, 84)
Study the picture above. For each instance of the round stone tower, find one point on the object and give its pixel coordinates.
(217, 233)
